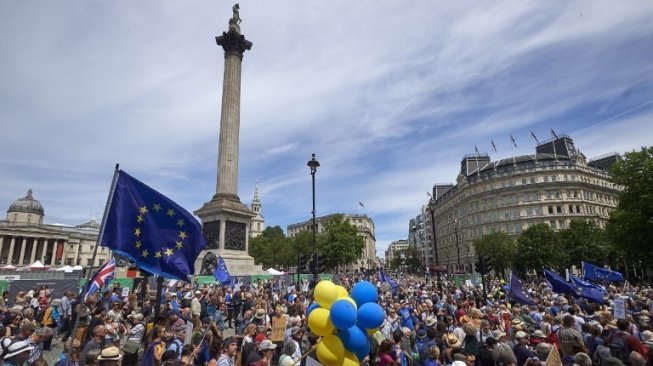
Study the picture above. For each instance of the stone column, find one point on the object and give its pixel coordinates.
(11, 250)
(77, 249)
(2, 244)
(44, 250)
(234, 45)
(35, 247)
(55, 243)
(21, 257)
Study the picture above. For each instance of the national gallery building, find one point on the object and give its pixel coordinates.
(24, 238)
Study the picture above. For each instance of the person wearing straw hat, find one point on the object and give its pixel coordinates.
(109, 356)
(17, 353)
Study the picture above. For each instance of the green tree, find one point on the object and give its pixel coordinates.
(631, 224)
(582, 241)
(340, 243)
(499, 247)
(271, 248)
(536, 249)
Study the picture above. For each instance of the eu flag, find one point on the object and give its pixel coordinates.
(393, 284)
(592, 272)
(151, 229)
(588, 290)
(517, 292)
(221, 273)
(559, 284)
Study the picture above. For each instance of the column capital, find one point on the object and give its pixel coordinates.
(233, 43)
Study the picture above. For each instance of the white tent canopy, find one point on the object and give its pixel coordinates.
(8, 266)
(77, 268)
(274, 272)
(36, 264)
(66, 269)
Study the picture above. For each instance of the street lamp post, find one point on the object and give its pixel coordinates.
(456, 226)
(313, 164)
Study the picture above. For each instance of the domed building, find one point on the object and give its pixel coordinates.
(24, 238)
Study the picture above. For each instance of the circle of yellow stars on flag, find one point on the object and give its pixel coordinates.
(167, 250)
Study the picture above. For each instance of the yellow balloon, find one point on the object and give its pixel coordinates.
(330, 351)
(320, 322)
(372, 331)
(350, 300)
(350, 359)
(326, 293)
(342, 292)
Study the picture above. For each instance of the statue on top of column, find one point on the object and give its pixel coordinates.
(234, 22)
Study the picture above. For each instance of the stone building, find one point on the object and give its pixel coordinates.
(395, 250)
(25, 238)
(257, 225)
(554, 186)
(365, 227)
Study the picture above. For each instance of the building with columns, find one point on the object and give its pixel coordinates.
(555, 185)
(365, 227)
(25, 238)
(257, 225)
(395, 250)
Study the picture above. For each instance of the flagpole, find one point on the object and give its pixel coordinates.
(75, 324)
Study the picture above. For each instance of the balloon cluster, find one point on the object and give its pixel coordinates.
(343, 320)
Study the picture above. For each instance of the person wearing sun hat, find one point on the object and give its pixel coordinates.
(109, 356)
(17, 352)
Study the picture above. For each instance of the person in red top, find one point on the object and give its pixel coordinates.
(385, 357)
(633, 343)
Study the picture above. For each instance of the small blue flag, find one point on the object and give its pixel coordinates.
(393, 284)
(517, 292)
(559, 284)
(221, 273)
(592, 272)
(151, 230)
(587, 290)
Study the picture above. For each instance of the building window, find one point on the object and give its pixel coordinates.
(559, 209)
(533, 180)
(550, 210)
(89, 262)
(571, 209)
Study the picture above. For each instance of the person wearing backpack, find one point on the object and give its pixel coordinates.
(621, 343)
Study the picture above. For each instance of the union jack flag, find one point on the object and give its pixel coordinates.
(102, 277)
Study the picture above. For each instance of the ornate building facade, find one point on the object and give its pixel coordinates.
(554, 186)
(25, 238)
(257, 225)
(365, 227)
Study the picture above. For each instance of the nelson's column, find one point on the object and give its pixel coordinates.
(225, 220)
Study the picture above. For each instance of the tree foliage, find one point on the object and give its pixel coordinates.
(499, 247)
(406, 259)
(340, 242)
(272, 248)
(535, 249)
(582, 241)
(631, 224)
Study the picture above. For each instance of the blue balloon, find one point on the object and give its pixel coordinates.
(343, 314)
(363, 292)
(370, 315)
(363, 352)
(311, 307)
(354, 339)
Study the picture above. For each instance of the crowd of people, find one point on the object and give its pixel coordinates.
(428, 322)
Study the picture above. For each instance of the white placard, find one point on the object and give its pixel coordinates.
(619, 308)
(9, 278)
(125, 291)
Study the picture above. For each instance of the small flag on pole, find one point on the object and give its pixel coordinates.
(512, 139)
(535, 137)
(494, 147)
(361, 204)
(476, 148)
(553, 133)
(429, 194)
(221, 273)
(102, 277)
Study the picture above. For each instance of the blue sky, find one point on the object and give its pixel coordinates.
(389, 95)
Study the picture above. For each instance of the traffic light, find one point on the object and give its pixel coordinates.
(303, 263)
(320, 263)
(480, 264)
(488, 265)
